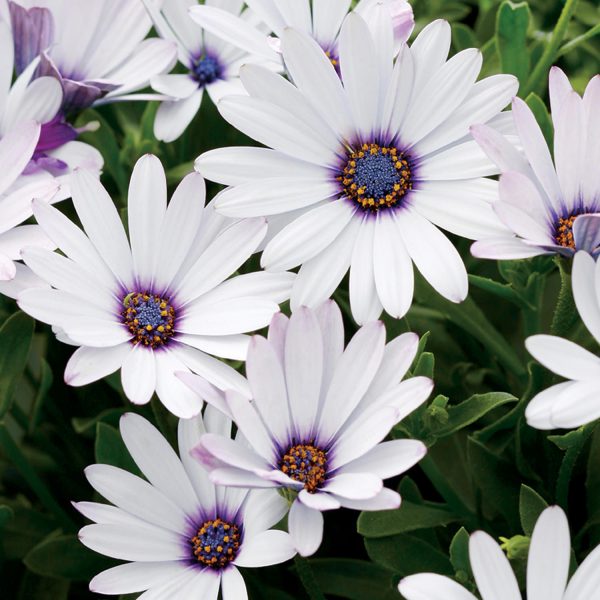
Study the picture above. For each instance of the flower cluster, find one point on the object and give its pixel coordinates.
(375, 156)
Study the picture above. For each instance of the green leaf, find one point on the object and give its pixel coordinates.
(15, 340)
(44, 386)
(85, 425)
(406, 554)
(64, 556)
(111, 450)
(354, 579)
(6, 514)
(471, 410)
(531, 505)
(459, 552)
(425, 365)
(542, 116)
(512, 23)
(409, 517)
(496, 479)
(43, 588)
(463, 37)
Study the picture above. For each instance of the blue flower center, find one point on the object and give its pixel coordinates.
(216, 543)
(376, 177)
(305, 463)
(207, 69)
(149, 318)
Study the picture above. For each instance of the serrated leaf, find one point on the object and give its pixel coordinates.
(409, 517)
(531, 505)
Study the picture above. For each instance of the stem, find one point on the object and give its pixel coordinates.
(565, 313)
(536, 82)
(579, 40)
(307, 577)
(13, 452)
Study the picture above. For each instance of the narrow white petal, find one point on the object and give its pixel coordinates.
(430, 586)
(138, 375)
(135, 577)
(306, 528)
(90, 364)
(267, 548)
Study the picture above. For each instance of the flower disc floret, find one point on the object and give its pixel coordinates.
(207, 69)
(216, 543)
(376, 177)
(564, 232)
(305, 463)
(149, 318)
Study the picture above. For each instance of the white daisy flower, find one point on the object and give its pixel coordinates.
(158, 302)
(362, 179)
(547, 569)
(320, 19)
(40, 99)
(184, 537)
(577, 401)
(548, 207)
(212, 64)
(317, 418)
(103, 59)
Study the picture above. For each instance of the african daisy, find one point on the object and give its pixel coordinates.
(549, 207)
(362, 179)
(184, 537)
(158, 302)
(317, 418)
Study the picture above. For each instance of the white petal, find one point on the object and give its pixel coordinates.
(90, 364)
(102, 224)
(564, 357)
(549, 556)
(16, 149)
(430, 50)
(355, 486)
(134, 543)
(306, 528)
(135, 577)
(174, 116)
(232, 585)
(348, 383)
(267, 548)
(505, 248)
(434, 256)
(136, 496)
(392, 267)
(146, 206)
(585, 583)
(364, 300)
(430, 586)
(307, 236)
(539, 410)
(138, 375)
(386, 499)
(577, 406)
(586, 296)
(493, 573)
(158, 461)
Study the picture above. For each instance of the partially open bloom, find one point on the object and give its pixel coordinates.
(320, 19)
(577, 401)
(363, 168)
(158, 302)
(317, 418)
(547, 569)
(549, 207)
(184, 537)
(212, 64)
(95, 49)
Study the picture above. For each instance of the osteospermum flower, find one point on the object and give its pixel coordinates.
(366, 167)
(577, 401)
(158, 302)
(184, 536)
(547, 569)
(39, 99)
(317, 416)
(212, 65)
(548, 207)
(104, 58)
(320, 19)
